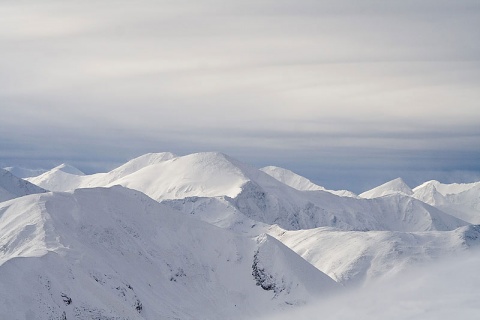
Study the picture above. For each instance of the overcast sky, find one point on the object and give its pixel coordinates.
(348, 93)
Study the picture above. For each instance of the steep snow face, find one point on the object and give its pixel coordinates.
(354, 258)
(12, 187)
(458, 200)
(24, 172)
(117, 254)
(300, 183)
(392, 187)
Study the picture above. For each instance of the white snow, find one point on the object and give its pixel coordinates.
(391, 187)
(298, 182)
(460, 200)
(13, 187)
(256, 195)
(21, 172)
(204, 245)
(353, 257)
(105, 253)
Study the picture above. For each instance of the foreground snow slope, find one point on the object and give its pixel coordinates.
(13, 187)
(352, 257)
(117, 254)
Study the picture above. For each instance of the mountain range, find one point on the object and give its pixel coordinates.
(205, 236)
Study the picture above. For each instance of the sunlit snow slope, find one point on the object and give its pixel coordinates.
(116, 254)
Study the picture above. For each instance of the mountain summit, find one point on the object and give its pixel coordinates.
(391, 187)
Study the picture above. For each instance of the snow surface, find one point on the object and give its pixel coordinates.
(459, 200)
(207, 246)
(353, 258)
(391, 187)
(298, 182)
(116, 254)
(256, 195)
(12, 187)
(21, 172)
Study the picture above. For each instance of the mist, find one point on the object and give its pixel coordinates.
(445, 289)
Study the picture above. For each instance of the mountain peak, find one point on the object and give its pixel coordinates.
(391, 187)
(291, 179)
(13, 187)
(68, 169)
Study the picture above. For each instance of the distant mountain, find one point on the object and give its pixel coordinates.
(447, 188)
(24, 172)
(13, 187)
(254, 195)
(67, 178)
(391, 187)
(117, 254)
(459, 200)
(298, 182)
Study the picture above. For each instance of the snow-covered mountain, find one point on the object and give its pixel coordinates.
(446, 188)
(12, 187)
(394, 186)
(205, 236)
(116, 254)
(459, 200)
(21, 172)
(60, 179)
(352, 257)
(298, 182)
(257, 195)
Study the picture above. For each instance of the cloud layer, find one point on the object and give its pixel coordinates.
(306, 84)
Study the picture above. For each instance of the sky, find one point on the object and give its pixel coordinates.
(348, 93)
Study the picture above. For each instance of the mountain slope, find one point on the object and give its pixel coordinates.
(262, 198)
(12, 187)
(391, 187)
(298, 182)
(67, 178)
(259, 197)
(117, 254)
(461, 200)
(24, 172)
(352, 257)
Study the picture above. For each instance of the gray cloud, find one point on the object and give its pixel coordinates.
(327, 81)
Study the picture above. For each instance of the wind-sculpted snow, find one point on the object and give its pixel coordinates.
(116, 254)
(13, 187)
